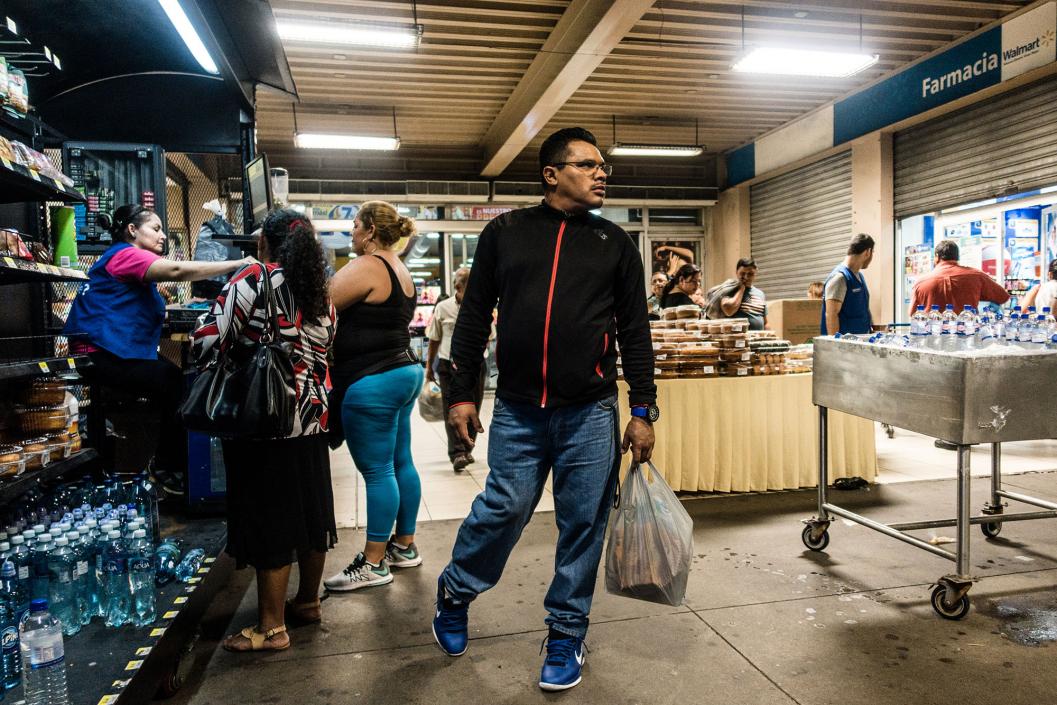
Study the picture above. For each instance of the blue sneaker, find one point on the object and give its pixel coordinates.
(565, 658)
(449, 624)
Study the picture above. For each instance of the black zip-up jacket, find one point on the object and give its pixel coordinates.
(569, 288)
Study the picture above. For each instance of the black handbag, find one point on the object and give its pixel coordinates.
(251, 398)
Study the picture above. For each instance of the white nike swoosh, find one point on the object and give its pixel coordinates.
(580, 658)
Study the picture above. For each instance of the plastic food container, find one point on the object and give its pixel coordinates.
(690, 311)
(12, 462)
(42, 419)
(45, 392)
(75, 443)
(36, 453)
(59, 445)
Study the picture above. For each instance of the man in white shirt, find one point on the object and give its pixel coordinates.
(438, 363)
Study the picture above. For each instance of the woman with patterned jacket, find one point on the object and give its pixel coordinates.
(280, 501)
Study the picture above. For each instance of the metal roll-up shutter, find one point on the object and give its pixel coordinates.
(800, 226)
(1001, 146)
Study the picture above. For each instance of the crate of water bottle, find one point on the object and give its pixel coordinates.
(971, 330)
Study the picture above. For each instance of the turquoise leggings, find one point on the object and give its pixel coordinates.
(376, 414)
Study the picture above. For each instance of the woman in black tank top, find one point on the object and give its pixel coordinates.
(376, 384)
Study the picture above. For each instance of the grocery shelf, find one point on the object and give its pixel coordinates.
(21, 271)
(129, 664)
(61, 366)
(19, 183)
(13, 489)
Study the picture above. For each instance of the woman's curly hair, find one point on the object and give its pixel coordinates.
(292, 243)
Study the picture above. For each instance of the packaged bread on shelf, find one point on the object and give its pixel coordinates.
(35, 452)
(44, 391)
(12, 462)
(42, 419)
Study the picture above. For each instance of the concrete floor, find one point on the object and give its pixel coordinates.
(765, 620)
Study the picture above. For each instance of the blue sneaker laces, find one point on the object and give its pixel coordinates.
(560, 651)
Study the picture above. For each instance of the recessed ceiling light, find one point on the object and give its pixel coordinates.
(803, 62)
(713, 75)
(392, 36)
(340, 75)
(340, 57)
(655, 150)
(330, 141)
(800, 15)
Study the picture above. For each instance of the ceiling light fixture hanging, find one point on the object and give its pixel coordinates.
(328, 140)
(187, 32)
(389, 35)
(785, 61)
(655, 150)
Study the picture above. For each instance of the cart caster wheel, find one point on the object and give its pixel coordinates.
(818, 544)
(991, 530)
(939, 603)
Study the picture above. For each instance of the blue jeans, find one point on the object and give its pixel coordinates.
(376, 416)
(580, 444)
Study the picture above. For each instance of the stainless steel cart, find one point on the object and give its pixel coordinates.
(959, 398)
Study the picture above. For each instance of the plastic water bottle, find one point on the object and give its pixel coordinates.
(21, 557)
(1039, 332)
(919, 322)
(166, 558)
(99, 553)
(14, 597)
(146, 498)
(61, 593)
(1012, 328)
(1025, 331)
(948, 320)
(81, 589)
(190, 564)
(43, 657)
(115, 566)
(1051, 322)
(89, 582)
(998, 326)
(141, 579)
(38, 587)
(935, 320)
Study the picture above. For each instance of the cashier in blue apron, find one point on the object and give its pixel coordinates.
(116, 320)
(846, 300)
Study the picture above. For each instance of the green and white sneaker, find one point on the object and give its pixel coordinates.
(398, 556)
(361, 573)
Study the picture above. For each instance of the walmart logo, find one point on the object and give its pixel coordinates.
(1018, 52)
(1047, 37)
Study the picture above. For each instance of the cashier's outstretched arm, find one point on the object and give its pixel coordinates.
(168, 270)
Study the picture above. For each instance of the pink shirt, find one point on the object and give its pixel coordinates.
(131, 265)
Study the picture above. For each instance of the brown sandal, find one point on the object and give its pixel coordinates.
(258, 640)
(299, 614)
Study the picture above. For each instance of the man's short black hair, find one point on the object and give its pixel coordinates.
(748, 262)
(555, 148)
(859, 244)
(947, 250)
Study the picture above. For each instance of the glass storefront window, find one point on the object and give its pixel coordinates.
(463, 248)
(425, 261)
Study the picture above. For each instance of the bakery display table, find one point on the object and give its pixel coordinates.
(750, 434)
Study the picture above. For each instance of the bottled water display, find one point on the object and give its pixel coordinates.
(971, 332)
(12, 598)
(62, 596)
(166, 558)
(190, 564)
(115, 569)
(43, 657)
(141, 579)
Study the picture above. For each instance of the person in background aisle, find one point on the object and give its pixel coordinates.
(117, 318)
(846, 301)
(207, 249)
(378, 379)
(653, 302)
(1045, 294)
(280, 503)
(440, 331)
(748, 301)
(951, 283)
(815, 290)
(680, 288)
(569, 284)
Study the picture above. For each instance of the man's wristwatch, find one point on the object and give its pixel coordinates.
(649, 413)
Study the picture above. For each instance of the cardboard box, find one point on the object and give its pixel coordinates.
(795, 320)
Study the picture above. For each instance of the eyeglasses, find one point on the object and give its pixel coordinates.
(588, 166)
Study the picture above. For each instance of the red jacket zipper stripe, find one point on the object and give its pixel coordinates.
(550, 302)
(605, 349)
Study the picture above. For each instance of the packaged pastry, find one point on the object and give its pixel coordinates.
(11, 461)
(6, 150)
(35, 452)
(42, 419)
(23, 154)
(59, 445)
(689, 311)
(44, 391)
(75, 442)
(11, 244)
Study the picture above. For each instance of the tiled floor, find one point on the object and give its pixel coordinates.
(448, 495)
(445, 493)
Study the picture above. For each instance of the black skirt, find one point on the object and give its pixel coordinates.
(280, 500)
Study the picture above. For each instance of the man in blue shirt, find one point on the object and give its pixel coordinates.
(846, 301)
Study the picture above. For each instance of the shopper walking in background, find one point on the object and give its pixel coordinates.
(279, 498)
(846, 300)
(569, 285)
(951, 283)
(653, 301)
(1043, 295)
(680, 289)
(378, 379)
(438, 365)
(116, 321)
(815, 290)
(747, 301)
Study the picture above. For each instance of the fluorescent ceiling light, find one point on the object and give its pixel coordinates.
(312, 140)
(804, 62)
(393, 36)
(187, 32)
(11, 25)
(655, 150)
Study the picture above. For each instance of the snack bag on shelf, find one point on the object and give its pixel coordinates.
(17, 92)
(651, 541)
(3, 80)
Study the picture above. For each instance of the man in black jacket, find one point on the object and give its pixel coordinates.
(569, 286)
